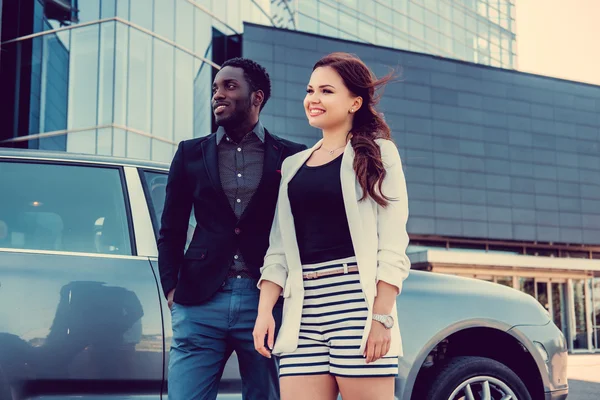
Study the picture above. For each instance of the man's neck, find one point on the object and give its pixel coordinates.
(237, 133)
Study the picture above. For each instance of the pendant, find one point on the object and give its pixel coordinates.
(331, 152)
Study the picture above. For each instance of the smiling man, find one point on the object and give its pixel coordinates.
(231, 178)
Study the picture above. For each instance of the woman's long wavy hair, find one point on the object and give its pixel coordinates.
(367, 125)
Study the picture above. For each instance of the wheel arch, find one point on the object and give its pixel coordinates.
(460, 333)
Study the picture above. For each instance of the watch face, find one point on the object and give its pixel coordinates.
(389, 322)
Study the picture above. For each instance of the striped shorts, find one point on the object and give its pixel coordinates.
(333, 319)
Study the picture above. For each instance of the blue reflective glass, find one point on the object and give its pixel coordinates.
(82, 142)
(121, 73)
(109, 8)
(138, 146)
(83, 77)
(162, 90)
(184, 26)
(202, 33)
(202, 100)
(105, 141)
(119, 142)
(164, 18)
(161, 151)
(106, 73)
(88, 10)
(139, 89)
(184, 96)
(141, 13)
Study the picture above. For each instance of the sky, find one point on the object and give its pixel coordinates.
(559, 38)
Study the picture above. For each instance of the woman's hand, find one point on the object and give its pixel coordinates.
(378, 343)
(264, 326)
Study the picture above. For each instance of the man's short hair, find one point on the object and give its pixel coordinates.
(256, 75)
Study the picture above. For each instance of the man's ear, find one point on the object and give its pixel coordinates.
(258, 98)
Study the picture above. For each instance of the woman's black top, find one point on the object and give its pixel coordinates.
(317, 203)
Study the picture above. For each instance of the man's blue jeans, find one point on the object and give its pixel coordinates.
(204, 336)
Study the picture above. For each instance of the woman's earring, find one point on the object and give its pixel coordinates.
(351, 111)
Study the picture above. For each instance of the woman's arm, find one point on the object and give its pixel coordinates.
(271, 283)
(393, 265)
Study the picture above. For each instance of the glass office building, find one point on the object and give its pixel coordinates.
(117, 77)
(132, 78)
(480, 31)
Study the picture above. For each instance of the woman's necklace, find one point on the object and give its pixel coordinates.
(332, 151)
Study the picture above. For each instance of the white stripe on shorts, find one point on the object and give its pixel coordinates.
(333, 320)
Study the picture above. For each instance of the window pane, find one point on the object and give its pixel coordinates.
(526, 285)
(138, 146)
(121, 73)
(106, 73)
(141, 13)
(596, 306)
(184, 25)
(505, 280)
(89, 10)
(580, 339)
(202, 33)
(83, 77)
(140, 78)
(156, 184)
(184, 96)
(41, 209)
(164, 18)
(104, 142)
(108, 8)
(53, 90)
(202, 100)
(162, 107)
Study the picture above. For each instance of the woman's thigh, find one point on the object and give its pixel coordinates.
(380, 388)
(314, 387)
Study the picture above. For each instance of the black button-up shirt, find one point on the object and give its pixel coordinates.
(240, 171)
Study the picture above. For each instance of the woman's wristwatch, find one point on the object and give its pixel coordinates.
(386, 320)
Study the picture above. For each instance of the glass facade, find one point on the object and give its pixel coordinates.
(119, 77)
(480, 31)
(132, 78)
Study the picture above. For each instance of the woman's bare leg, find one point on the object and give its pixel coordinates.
(380, 388)
(313, 387)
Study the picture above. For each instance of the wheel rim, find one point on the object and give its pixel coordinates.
(483, 388)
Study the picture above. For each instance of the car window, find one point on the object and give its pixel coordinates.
(156, 185)
(63, 208)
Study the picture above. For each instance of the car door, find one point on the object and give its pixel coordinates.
(155, 182)
(80, 311)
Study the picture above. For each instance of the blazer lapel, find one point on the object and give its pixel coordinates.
(211, 163)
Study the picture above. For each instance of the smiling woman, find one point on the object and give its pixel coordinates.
(345, 200)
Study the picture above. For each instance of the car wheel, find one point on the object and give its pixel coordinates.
(476, 378)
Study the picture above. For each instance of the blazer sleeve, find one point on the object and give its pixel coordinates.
(275, 268)
(393, 265)
(174, 222)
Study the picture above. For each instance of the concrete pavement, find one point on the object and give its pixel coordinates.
(584, 377)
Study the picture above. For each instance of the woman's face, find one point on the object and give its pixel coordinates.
(328, 102)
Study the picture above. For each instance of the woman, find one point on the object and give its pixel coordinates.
(338, 246)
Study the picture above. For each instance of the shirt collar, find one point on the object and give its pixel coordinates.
(258, 130)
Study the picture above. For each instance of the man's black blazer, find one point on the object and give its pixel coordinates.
(194, 181)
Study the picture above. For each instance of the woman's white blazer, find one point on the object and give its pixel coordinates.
(378, 235)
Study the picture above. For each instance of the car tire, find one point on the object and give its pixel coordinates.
(456, 372)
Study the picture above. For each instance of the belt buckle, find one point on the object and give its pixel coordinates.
(311, 275)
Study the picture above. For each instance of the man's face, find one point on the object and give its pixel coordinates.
(232, 97)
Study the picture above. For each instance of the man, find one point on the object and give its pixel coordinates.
(231, 178)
